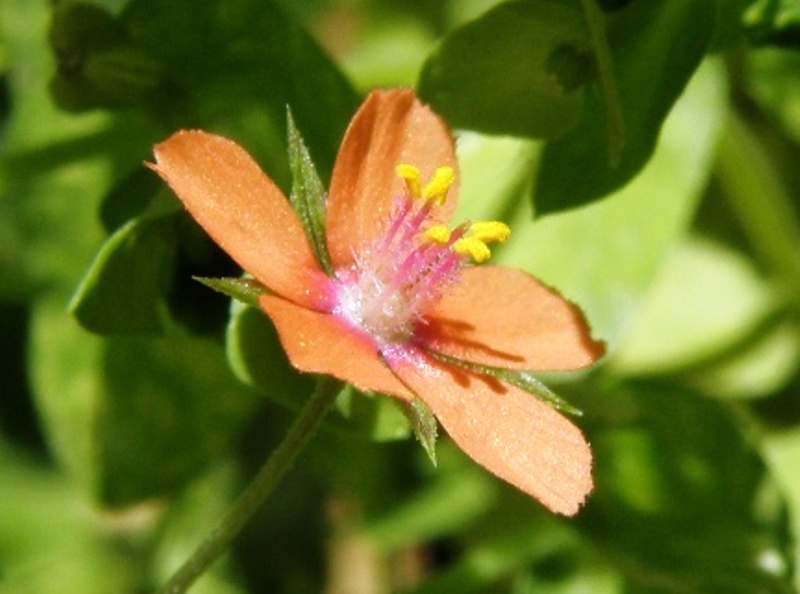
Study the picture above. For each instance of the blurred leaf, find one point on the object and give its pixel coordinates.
(774, 22)
(458, 493)
(129, 197)
(133, 418)
(234, 66)
(49, 539)
(612, 5)
(605, 256)
(97, 66)
(514, 542)
(258, 359)
(122, 293)
(514, 70)
(704, 299)
(783, 452)
(656, 47)
(683, 501)
(717, 323)
(187, 521)
(774, 82)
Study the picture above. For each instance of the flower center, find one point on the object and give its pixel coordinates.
(397, 277)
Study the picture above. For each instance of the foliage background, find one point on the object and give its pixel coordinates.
(645, 154)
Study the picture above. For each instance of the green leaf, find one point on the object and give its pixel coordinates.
(236, 68)
(514, 70)
(682, 495)
(44, 522)
(133, 418)
(656, 47)
(122, 293)
(705, 299)
(774, 22)
(97, 66)
(129, 197)
(308, 195)
(605, 256)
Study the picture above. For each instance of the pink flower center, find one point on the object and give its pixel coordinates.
(396, 278)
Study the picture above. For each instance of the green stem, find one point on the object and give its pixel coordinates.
(761, 203)
(256, 493)
(595, 20)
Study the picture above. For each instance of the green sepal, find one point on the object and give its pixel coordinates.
(308, 194)
(246, 290)
(524, 380)
(424, 424)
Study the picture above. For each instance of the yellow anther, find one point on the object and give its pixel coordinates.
(436, 189)
(472, 247)
(489, 231)
(437, 234)
(410, 174)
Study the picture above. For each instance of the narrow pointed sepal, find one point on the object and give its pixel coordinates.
(308, 195)
(246, 290)
(424, 424)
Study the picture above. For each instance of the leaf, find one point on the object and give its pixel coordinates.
(44, 523)
(656, 48)
(636, 227)
(122, 293)
(728, 301)
(682, 495)
(129, 197)
(514, 70)
(133, 418)
(236, 68)
(774, 22)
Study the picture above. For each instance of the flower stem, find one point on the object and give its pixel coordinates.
(258, 490)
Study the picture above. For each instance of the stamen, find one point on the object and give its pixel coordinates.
(437, 234)
(489, 231)
(436, 189)
(399, 275)
(474, 248)
(411, 175)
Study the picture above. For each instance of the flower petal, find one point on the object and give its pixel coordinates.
(242, 210)
(506, 318)
(390, 128)
(321, 343)
(512, 434)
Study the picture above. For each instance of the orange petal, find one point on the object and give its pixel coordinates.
(511, 433)
(320, 343)
(390, 128)
(242, 210)
(506, 318)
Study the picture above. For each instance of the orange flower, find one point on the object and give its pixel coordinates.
(403, 303)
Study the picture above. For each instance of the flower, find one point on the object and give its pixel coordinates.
(404, 301)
